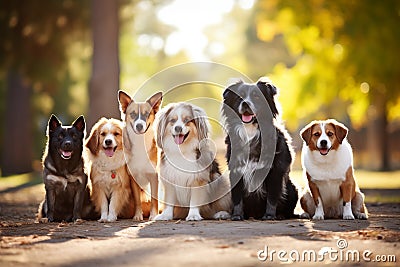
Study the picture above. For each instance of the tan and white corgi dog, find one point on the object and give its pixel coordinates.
(140, 147)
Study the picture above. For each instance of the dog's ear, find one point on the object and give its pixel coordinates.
(124, 100)
(231, 87)
(79, 123)
(94, 139)
(53, 124)
(155, 101)
(269, 91)
(160, 124)
(305, 133)
(200, 120)
(340, 129)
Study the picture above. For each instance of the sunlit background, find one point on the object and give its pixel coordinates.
(330, 59)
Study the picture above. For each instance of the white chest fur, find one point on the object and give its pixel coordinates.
(329, 167)
(139, 160)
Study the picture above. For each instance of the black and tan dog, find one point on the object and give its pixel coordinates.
(67, 193)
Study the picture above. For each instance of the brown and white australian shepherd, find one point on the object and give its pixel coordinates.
(112, 185)
(187, 166)
(327, 161)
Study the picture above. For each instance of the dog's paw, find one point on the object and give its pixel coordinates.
(103, 219)
(43, 220)
(194, 217)
(138, 217)
(79, 221)
(268, 217)
(305, 215)
(237, 217)
(318, 217)
(361, 216)
(152, 216)
(222, 215)
(111, 218)
(348, 217)
(163, 217)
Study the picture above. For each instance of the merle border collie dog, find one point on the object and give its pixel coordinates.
(259, 153)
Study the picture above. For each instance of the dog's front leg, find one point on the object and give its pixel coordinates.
(138, 216)
(237, 199)
(198, 197)
(347, 189)
(51, 201)
(78, 203)
(102, 199)
(154, 196)
(170, 200)
(273, 195)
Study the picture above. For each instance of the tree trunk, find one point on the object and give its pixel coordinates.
(104, 82)
(377, 135)
(17, 150)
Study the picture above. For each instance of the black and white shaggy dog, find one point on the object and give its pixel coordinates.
(259, 153)
(67, 194)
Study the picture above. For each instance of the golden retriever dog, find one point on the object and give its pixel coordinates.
(112, 185)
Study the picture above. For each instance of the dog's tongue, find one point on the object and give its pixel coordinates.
(66, 154)
(179, 139)
(109, 151)
(247, 118)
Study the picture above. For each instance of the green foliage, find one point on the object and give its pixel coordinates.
(345, 56)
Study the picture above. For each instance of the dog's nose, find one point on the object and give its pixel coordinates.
(67, 145)
(178, 129)
(324, 143)
(139, 127)
(108, 142)
(245, 105)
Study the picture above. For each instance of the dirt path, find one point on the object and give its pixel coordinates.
(179, 243)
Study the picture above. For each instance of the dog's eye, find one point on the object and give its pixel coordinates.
(60, 136)
(103, 134)
(186, 120)
(74, 136)
(172, 120)
(116, 134)
(133, 114)
(317, 134)
(330, 134)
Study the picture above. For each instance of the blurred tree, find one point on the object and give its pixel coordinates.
(345, 63)
(104, 82)
(35, 39)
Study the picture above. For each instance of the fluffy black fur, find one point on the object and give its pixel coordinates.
(67, 193)
(259, 190)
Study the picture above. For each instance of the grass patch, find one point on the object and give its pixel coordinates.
(365, 179)
(31, 178)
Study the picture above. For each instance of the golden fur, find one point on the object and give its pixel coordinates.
(112, 185)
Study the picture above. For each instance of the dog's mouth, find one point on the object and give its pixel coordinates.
(65, 154)
(324, 151)
(109, 151)
(248, 117)
(180, 138)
